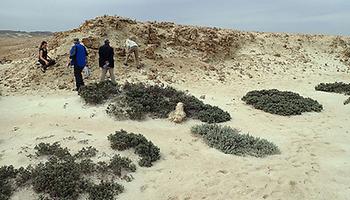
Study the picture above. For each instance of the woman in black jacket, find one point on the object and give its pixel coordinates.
(44, 58)
(106, 61)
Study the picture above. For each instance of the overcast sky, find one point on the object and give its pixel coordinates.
(305, 16)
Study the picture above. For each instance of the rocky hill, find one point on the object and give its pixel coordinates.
(174, 53)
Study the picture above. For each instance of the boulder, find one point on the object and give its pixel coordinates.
(91, 42)
(149, 51)
(178, 115)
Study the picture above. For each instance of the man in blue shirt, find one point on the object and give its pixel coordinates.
(78, 55)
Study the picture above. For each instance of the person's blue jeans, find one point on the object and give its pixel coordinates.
(78, 76)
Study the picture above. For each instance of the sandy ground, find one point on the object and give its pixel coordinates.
(20, 47)
(314, 163)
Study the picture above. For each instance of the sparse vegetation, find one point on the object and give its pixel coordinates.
(140, 100)
(105, 191)
(87, 152)
(346, 102)
(118, 164)
(97, 93)
(281, 102)
(59, 178)
(63, 176)
(7, 173)
(230, 141)
(55, 149)
(337, 87)
(123, 140)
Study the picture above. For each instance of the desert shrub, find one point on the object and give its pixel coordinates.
(60, 179)
(119, 109)
(87, 152)
(55, 149)
(105, 191)
(97, 93)
(65, 179)
(63, 176)
(212, 114)
(7, 173)
(230, 141)
(123, 140)
(102, 167)
(281, 102)
(337, 87)
(24, 175)
(87, 166)
(118, 164)
(140, 100)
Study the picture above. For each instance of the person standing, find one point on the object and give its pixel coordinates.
(106, 61)
(78, 58)
(44, 58)
(132, 48)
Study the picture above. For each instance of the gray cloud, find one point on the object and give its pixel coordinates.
(311, 16)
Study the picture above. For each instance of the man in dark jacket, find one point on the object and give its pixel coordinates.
(106, 61)
(78, 56)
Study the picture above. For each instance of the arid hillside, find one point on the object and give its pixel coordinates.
(173, 53)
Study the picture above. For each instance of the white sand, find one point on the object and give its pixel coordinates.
(314, 163)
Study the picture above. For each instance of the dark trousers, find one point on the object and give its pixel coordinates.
(43, 64)
(78, 77)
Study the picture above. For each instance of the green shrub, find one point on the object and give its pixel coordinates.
(140, 100)
(281, 103)
(59, 179)
(230, 141)
(64, 177)
(87, 152)
(337, 87)
(55, 149)
(97, 93)
(212, 114)
(105, 191)
(7, 173)
(118, 164)
(123, 140)
(87, 166)
(24, 176)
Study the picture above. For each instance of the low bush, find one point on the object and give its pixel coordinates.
(87, 152)
(337, 87)
(55, 149)
(59, 179)
(140, 100)
(281, 102)
(230, 141)
(24, 175)
(97, 93)
(123, 140)
(7, 173)
(118, 164)
(63, 176)
(105, 191)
